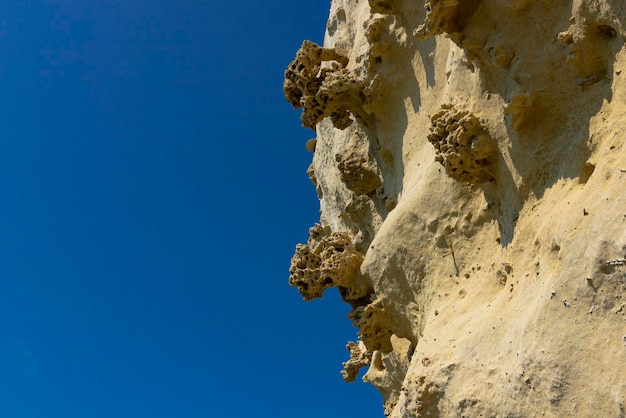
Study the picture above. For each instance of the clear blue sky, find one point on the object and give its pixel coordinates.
(152, 190)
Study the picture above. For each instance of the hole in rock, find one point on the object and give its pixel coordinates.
(607, 31)
(586, 172)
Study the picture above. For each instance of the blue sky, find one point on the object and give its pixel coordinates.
(153, 187)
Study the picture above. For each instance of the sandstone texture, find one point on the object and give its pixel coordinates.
(470, 164)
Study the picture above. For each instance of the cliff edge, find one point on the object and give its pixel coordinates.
(470, 165)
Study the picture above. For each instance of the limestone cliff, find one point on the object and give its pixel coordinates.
(470, 164)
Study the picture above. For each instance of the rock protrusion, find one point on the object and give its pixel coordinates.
(591, 43)
(384, 6)
(360, 175)
(387, 371)
(445, 16)
(375, 326)
(521, 108)
(357, 166)
(329, 259)
(359, 357)
(318, 81)
(385, 33)
(463, 145)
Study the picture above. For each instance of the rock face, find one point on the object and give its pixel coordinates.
(470, 163)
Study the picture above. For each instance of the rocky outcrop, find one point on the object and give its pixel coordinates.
(463, 146)
(471, 171)
(328, 260)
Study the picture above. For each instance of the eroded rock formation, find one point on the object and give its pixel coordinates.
(463, 146)
(469, 160)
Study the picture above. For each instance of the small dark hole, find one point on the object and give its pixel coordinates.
(586, 173)
(607, 31)
(607, 268)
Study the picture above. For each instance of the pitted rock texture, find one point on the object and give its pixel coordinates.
(359, 357)
(358, 167)
(470, 164)
(305, 74)
(328, 260)
(318, 82)
(462, 145)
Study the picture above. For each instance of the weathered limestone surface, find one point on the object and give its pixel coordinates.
(470, 164)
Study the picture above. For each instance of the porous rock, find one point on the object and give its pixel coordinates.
(486, 275)
(318, 81)
(463, 146)
(328, 260)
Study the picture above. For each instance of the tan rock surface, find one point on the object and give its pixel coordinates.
(469, 159)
